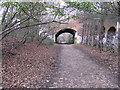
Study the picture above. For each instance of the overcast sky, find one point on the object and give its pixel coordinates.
(1, 10)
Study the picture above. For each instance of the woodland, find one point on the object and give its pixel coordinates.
(27, 32)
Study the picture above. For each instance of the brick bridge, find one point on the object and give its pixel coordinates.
(76, 28)
(73, 27)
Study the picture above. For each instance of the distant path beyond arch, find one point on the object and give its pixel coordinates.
(66, 30)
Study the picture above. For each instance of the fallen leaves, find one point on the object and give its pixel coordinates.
(102, 57)
(29, 65)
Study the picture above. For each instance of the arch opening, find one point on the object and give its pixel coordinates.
(111, 35)
(112, 30)
(70, 34)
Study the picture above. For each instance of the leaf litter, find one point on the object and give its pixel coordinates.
(26, 65)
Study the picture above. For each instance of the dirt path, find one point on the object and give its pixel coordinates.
(76, 70)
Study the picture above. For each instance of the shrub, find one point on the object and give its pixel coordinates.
(48, 41)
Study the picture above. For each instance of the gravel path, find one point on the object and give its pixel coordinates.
(76, 70)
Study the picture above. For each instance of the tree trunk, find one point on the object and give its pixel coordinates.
(97, 36)
(101, 32)
(87, 34)
(93, 34)
(82, 42)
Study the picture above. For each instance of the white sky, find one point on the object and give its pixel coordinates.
(1, 11)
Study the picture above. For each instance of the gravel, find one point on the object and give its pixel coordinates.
(76, 70)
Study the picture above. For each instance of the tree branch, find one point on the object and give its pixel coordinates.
(4, 15)
(11, 30)
(7, 24)
(13, 26)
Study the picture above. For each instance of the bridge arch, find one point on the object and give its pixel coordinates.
(66, 30)
(112, 30)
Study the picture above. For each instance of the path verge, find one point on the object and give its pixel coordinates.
(27, 65)
(101, 57)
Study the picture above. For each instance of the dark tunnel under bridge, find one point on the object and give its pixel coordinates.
(67, 30)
